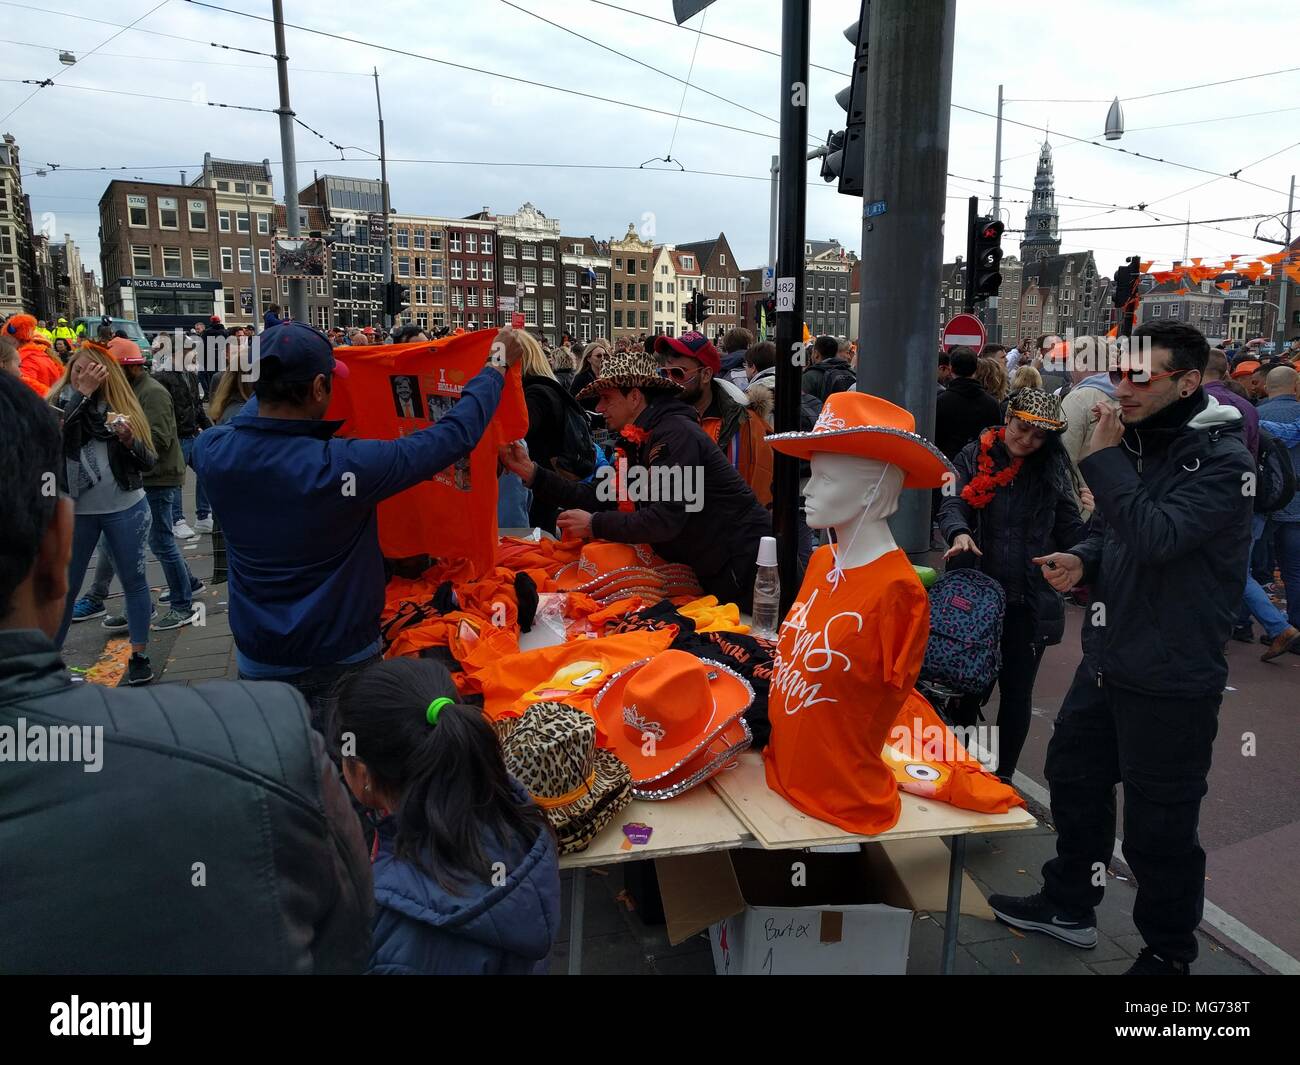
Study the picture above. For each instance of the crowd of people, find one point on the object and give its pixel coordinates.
(381, 804)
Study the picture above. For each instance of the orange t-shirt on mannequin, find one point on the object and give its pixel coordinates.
(847, 659)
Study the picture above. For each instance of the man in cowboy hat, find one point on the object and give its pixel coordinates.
(1166, 557)
(716, 533)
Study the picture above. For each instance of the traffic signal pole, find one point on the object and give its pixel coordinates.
(792, 196)
(297, 285)
(909, 89)
(383, 180)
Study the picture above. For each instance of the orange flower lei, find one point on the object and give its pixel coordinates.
(979, 492)
(634, 434)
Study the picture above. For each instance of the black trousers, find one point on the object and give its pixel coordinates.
(1021, 655)
(1160, 750)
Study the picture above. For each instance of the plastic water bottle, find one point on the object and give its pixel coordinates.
(767, 591)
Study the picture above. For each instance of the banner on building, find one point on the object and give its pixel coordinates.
(300, 257)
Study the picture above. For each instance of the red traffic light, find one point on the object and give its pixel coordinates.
(992, 231)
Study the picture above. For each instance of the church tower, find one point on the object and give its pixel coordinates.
(1041, 237)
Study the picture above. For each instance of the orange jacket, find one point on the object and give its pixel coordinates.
(39, 368)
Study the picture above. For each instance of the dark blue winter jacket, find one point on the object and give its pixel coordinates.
(297, 506)
(420, 928)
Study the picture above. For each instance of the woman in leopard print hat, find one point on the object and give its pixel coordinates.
(1013, 502)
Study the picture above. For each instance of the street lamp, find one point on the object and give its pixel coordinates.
(1115, 121)
(67, 58)
(1281, 315)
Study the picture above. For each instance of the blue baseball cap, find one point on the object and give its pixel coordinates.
(297, 352)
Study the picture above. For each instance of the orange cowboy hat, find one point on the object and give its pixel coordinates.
(660, 713)
(854, 423)
(719, 754)
(1245, 368)
(603, 568)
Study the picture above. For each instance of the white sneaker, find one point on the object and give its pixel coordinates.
(182, 531)
(203, 525)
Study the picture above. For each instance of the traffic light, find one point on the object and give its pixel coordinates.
(694, 310)
(983, 257)
(396, 299)
(1127, 279)
(846, 150)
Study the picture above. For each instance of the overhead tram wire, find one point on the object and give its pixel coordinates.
(195, 62)
(137, 29)
(62, 69)
(491, 73)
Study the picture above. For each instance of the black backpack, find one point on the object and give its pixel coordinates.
(1275, 475)
(577, 453)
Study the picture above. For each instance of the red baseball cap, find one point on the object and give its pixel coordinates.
(692, 345)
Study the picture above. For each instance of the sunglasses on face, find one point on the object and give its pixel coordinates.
(1140, 378)
(677, 373)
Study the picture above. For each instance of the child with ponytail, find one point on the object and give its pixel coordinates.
(465, 865)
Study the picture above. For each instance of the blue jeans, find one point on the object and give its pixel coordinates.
(1257, 601)
(162, 543)
(201, 508)
(513, 501)
(125, 534)
(1288, 550)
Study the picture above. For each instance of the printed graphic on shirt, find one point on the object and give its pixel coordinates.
(406, 395)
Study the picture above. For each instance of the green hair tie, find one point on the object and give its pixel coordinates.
(435, 708)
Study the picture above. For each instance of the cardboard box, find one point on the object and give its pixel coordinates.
(800, 912)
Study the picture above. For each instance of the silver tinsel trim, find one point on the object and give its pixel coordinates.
(712, 769)
(881, 429)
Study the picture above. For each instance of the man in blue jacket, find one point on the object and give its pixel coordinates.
(1283, 406)
(297, 506)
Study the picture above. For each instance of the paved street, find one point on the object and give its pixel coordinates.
(1250, 827)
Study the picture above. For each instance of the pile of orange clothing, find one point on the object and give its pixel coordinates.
(486, 610)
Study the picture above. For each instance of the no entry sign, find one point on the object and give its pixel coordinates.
(964, 330)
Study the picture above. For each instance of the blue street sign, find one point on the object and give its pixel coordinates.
(875, 208)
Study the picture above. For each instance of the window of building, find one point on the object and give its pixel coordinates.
(201, 262)
(419, 237)
(457, 270)
(570, 278)
(420, 266)
(198, 214)
(508, 274)
(223, 186)
(245, 260)
(437, 295)
(471, 270)
(488, 300)
(548, 256)
(1155, 310)
(168, 215)
(602, 280)
(548, 312)
(1173, 310)
(600, 301)
(530, 274)
(530, 311)
(631, 271)
(241, 186)
(435, 268)
(645, 293)
(731, 284)
(453, 242)
(618, 264)
(403, 238)
(141, 260)
(485, 245)
(435, 242)
(528, 251)
(618, 290)
(659, 286)
(471, 297)
(421, 294)
(659, 306)
(264, 224)
(403, 266)
(618, 318)
(487, 270)
(223, 221)
(570, 301)
(570, 324)
(264, 260)
(320, 287)
(230, 303)
(645, 319)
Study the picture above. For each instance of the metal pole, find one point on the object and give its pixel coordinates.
(792, 204)
(773, 212)
(383, 178)
(995, 330)
(252, 259)
(1282, 308)
(909, 89)
(297, 286)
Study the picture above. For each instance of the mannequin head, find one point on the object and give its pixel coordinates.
(842, 487)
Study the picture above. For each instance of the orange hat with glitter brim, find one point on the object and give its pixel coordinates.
(854, 423)
(660, 713)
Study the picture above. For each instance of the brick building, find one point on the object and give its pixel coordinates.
(586, 265)
(245, 218)
(19, 280)
(354, 212)
(529, 257)
(474, 271)
(159, 254)
(631, 279)
(721, 282)
(420, 265)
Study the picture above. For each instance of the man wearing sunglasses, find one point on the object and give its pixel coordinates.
(1166, 557)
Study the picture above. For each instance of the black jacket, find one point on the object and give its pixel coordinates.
(83, 418)
(717, 537)
(962, 410)
(100, 871)
(184, 388)
(1034, 515)
(1166, 555)
(828, 376)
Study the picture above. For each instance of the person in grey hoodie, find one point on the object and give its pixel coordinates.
(1091, 387)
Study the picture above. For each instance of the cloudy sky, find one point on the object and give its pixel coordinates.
(451, 132)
